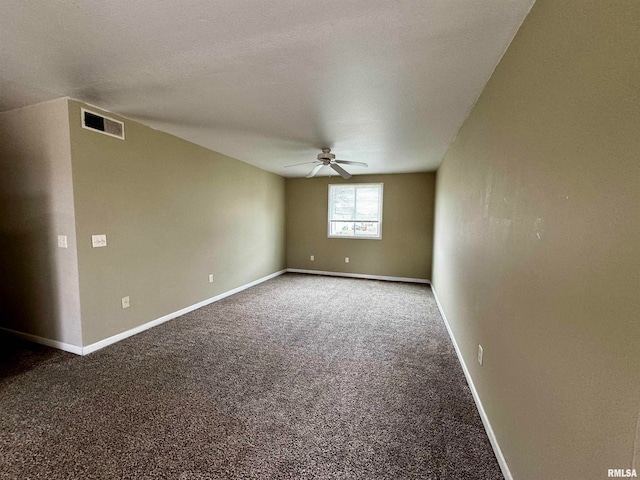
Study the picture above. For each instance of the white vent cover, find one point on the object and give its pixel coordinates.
(100, 123)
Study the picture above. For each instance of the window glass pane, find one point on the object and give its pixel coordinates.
(366, 229)
(344, 200)
(342, 229)
(367, 203)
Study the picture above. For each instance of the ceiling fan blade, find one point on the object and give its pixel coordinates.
(343, 173)
(360, 164)
(303, 163)
(315, 170)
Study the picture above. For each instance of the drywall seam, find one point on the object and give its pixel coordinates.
(75, 224)
(360, 275)
(76, 277)
(67, 347)
(153, 323)
(483, 415)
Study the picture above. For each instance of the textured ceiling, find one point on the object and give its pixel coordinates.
(270, 83)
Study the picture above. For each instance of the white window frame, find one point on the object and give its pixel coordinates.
(357, 185)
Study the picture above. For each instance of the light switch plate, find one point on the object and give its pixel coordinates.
(98, 241)
(62, 241)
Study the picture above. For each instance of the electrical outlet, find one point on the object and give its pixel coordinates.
(346, 259)
(211, 278)
(480, 354)
(313, 258)
(125, 302)
(98, 241)
(62, 241)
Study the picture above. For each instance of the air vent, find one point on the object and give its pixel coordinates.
(102, 124)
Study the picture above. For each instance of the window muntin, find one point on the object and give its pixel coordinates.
(355, 210)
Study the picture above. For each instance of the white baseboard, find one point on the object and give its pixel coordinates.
(153, 323)
(67, 347)
(360, 275)
(140, 328)
(483, 415)
(121, 336)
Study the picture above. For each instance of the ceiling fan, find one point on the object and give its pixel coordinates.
(326, 158)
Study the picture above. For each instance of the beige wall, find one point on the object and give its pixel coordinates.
(537, 246)
(407, 229)
(173, 213)
(38, 281)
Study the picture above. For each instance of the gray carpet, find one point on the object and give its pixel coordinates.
(299, 377)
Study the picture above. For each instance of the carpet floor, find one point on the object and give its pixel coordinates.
(301, 377)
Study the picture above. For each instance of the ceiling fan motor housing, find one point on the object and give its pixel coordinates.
(326, 155)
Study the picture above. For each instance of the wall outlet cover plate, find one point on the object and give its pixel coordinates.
(98, 241)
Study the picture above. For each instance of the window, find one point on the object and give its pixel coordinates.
(355, 211)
